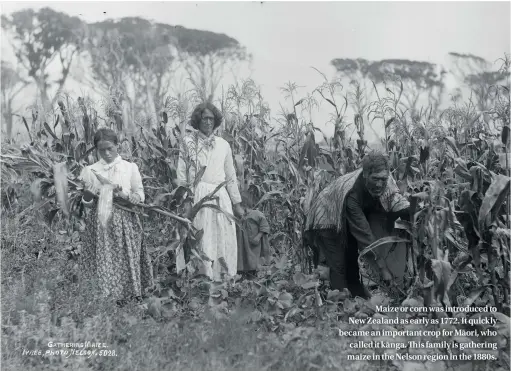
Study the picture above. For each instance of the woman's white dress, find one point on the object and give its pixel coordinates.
(219, 239)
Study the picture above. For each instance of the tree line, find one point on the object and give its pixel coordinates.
(134, 62)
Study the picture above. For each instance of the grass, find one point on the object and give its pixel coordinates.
(55, 309)
(41, 303)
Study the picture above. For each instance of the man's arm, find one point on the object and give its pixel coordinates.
(400, 208)
(361, 230)
(404, 214)
(357, 222)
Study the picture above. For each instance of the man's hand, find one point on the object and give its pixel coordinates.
(384, 271)
(379, 266)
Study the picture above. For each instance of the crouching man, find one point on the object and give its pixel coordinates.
(348, 215)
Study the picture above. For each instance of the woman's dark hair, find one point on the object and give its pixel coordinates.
(199, 110)
(106, 135)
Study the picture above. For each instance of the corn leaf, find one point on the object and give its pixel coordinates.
(452, 144)
(472, 297)
(493, 200)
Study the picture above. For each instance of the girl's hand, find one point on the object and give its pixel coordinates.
(88, 195)
(120, 193)
(257, 239)
(187, 209)
(134, 198)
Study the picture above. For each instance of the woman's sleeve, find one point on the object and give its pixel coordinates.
(85, 177)
(230, 176)
(137, 188)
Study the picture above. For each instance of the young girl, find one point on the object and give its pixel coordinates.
(113, 253)
(253, 244)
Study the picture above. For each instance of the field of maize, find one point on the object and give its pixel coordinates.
(452, 165)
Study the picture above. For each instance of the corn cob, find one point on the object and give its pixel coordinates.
(61, 186)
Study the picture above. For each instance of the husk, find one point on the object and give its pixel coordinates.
(105, 204)
(61, 186)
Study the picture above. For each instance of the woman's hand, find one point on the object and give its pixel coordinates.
(134, 198)
(88, 195)
(187, 209)
(119, 192)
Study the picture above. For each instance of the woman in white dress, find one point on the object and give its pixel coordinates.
(202, 148)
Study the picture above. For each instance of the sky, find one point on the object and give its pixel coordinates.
(287, 38)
